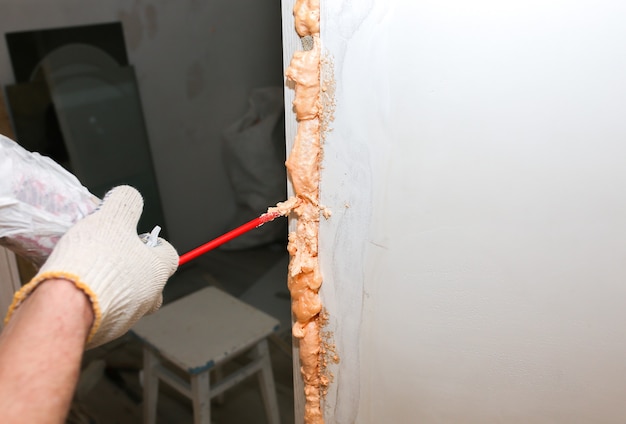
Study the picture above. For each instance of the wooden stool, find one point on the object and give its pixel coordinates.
(198, 333)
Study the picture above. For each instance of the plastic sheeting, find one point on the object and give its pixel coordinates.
(39, 201)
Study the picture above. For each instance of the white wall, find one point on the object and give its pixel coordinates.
(475, 263)
(196, 62)
(9, 280)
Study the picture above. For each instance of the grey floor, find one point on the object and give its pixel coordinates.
(110, 390)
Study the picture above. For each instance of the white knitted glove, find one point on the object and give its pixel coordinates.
(103, 256)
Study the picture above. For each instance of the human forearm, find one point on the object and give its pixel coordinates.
(40, 353)
(51, 320)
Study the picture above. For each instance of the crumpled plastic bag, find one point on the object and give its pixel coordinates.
(254, 156)
(39, 201)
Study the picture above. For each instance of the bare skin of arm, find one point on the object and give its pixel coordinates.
(41, 350)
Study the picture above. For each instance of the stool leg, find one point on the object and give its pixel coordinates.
(200, 396)
(150, 386)
(266, 381)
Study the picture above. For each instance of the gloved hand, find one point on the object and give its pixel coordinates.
(104, 257)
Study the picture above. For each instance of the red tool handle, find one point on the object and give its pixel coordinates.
(201, 250)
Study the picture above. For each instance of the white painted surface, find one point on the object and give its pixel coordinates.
(196, 62)
(205, 328)
(9, 281)
(475, 262)
(292, 43)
